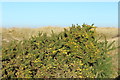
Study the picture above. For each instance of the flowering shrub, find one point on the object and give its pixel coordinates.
(74, 53)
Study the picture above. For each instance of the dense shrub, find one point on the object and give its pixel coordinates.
(73, 53)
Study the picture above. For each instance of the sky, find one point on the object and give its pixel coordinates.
(59, 0)
(0, 14)
(38, 14)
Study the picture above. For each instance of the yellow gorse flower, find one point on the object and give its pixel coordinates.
(54, 51)
(80, 76)
(81, 64)
(79, 69)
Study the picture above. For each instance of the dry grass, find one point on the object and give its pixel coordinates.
(114, 55)
(25, 33)
(110, 32)
(112, 35)
(9, 34)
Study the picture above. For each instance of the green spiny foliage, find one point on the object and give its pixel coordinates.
(72, 53)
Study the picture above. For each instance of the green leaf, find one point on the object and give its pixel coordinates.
(110, 44)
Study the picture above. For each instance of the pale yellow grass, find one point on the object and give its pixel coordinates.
(25, 33)
(49, 29)
(110, 32)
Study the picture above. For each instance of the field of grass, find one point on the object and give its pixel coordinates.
(9, 34)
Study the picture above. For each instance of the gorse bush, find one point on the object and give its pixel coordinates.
(74, 53)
